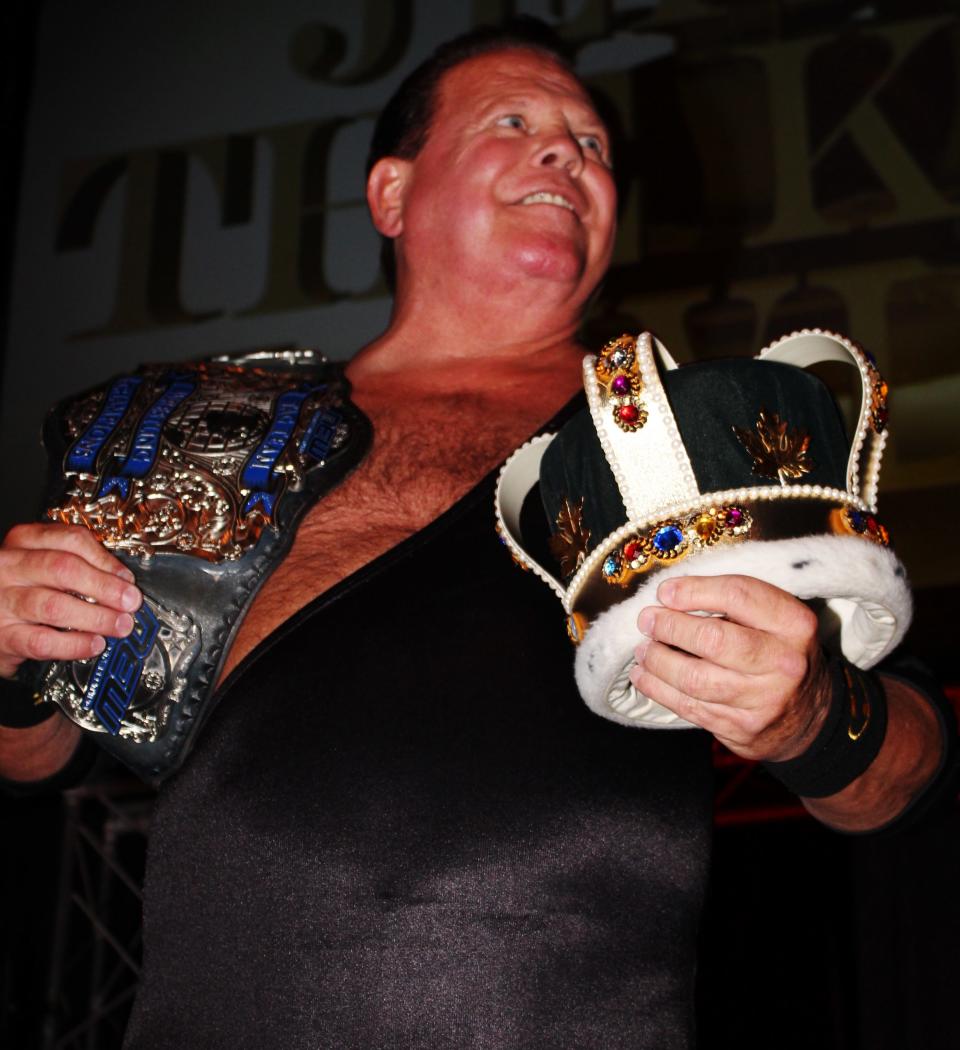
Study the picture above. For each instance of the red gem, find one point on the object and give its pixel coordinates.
(872, 525)
(631, 551)
(734, 516)
(628, 413)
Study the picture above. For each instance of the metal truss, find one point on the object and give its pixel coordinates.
(95, 956)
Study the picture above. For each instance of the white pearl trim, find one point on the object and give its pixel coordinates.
(809, 346)
(517, 476)
(637, 456)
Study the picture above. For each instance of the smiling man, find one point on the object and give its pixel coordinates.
(401, 827)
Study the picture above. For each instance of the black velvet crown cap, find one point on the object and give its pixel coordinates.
(708, 400)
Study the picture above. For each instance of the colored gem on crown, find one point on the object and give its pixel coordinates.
(672, 539)
(619, 355)
(611, 565)
(668, 538)
(879, 409)
(618, 370)
(705, 526)
(630, 416)
(577, 625)
(860, 523)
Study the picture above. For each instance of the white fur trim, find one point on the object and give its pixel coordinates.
(868, 600)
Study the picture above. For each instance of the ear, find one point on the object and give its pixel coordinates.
(387, 186)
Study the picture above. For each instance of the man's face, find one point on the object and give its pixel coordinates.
(513, 183)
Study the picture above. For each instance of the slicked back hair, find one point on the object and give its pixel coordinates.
(404, 122)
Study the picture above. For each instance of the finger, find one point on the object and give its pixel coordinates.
(36, 642)
(733, 726)
(691, 676)
(73, 538)
(51, 608)
(715, 639)
(62, 570)
(656, 689)
(742, 599)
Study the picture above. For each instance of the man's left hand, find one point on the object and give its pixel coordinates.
(752, 674)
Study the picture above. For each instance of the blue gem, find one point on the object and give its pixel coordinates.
(611, 566)
(858, 520)
(668, 538)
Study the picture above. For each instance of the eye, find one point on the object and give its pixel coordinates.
(592, 143)
(512, 120)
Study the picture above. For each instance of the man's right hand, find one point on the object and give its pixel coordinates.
(44, 569)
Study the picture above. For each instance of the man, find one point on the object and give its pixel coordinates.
(401, 827)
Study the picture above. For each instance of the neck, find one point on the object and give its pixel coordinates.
(433, 343)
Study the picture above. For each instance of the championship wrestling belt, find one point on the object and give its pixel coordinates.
(195, 476)
(739, 466)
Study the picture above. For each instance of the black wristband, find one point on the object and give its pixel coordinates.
(20, 706)
(848, 741)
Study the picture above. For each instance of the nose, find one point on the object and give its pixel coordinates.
(560, 150)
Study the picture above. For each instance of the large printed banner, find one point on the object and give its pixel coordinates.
(193, 183)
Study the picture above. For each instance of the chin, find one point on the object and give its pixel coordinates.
(550, 264)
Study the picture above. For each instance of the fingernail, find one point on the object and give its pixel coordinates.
(130, 599)
(641, 651)
(667, 590)
(125, 574)
(646, 621)
(124, 625)
(97, 645)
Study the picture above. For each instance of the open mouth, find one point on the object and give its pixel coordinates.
(542, 197)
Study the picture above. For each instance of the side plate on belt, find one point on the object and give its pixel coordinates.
(195, 476)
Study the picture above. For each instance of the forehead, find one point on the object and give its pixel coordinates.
(511, 74)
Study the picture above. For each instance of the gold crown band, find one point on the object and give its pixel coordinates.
(655, 545)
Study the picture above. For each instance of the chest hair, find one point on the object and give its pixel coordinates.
(425, 456)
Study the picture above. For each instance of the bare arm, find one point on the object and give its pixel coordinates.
(907, 761)
(756, 679)
(44, 569)
(39, 751)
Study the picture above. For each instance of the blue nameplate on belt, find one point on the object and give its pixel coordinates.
(196, 477)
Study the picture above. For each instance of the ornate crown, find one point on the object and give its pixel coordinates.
(734, 466)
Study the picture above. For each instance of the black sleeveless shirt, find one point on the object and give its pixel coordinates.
(402, 828)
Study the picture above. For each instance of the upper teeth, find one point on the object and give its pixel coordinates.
(547, 198)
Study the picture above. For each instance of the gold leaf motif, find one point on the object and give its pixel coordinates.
(777, 452)
(569, 543)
